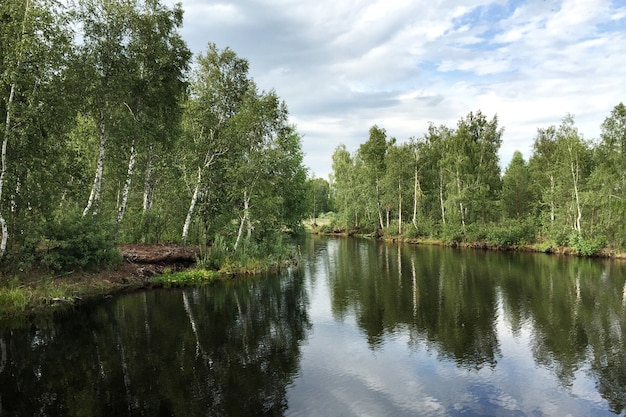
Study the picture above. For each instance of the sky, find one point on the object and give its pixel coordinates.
(343, 66)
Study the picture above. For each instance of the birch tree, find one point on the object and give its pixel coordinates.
(158, 59)
(106, 30)
(609, 177)
(372, 152)
(218, 86)
(34, 54)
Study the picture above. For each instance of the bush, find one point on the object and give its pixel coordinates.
(452, 233)
(73, 241)
(585, 246)
(512, 232)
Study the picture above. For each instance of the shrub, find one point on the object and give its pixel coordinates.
(452, 233)
(73, 241)
(585, 246)
(512, 232)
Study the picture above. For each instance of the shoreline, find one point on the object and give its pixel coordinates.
(486, 246)
(157, 266)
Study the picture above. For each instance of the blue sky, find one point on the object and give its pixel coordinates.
(344, 65)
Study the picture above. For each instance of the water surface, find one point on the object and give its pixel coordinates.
(365, 328)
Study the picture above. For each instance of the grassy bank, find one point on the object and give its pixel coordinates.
(29, 294)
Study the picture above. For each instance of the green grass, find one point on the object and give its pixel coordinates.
(192, 277)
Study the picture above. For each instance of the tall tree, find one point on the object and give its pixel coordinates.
(477, 173)
(106, 31)
(516, 188)
(372, 152)
(609, 177)
(34, 53)
(399, 177)
(560, 165)
(219, 85)
(159, 60)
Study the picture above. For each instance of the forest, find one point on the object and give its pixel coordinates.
(448, 185)
(112, 132)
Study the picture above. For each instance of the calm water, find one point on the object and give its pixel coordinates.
(365, 329)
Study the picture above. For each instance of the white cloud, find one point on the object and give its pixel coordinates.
(342, 66)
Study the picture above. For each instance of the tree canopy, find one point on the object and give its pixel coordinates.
(108, 125)
(569, 192)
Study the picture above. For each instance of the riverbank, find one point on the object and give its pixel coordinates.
(144, 266)
(539, 247)
(27, 295)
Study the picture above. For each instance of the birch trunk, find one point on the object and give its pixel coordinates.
(552, 209)
(192, 205)
(94, 196)
(3, 169)
(148, 188)
(245, 219)
(378, 206)
(443, 209)
(575, 175)
(5, 139)
(129, 174)
(461, 208)
(415, 197)
(399, 208)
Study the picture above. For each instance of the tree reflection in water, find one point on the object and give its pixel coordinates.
(235, 348)
(450, 301)
(221, 350)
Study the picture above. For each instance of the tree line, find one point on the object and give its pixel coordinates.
(447, 184)
(113, 133)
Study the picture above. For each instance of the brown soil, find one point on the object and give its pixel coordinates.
(141, 262)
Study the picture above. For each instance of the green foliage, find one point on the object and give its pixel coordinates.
(452, 234)
(583, 246)
(251, 256)
(72, 241)
(193, 277)
(512, 232)
(150, 226)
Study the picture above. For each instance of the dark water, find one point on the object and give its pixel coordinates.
(365, 329)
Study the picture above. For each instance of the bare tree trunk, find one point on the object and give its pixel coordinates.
(5, 140)
(94, 196)
(148, 186)
(129, 175)
(399, 208)
(461, 208)
(416, 188)
(192, 205)
(552, 209)
(443, 209)
(379, 206)
(3, 169)
(245, 219)
(575, 174)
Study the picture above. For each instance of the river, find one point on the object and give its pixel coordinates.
(364, 328)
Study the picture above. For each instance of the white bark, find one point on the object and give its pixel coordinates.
(94, 196)
(192, 205)
(3, 169)
(399, 208)
(416, 188)
(461, 208)
(210, 157)
(552, 208)
(245, 219)
(378, 206)
(575, 175)
(148, 186)
(5, 140)
(443, 209)
(129, 174)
